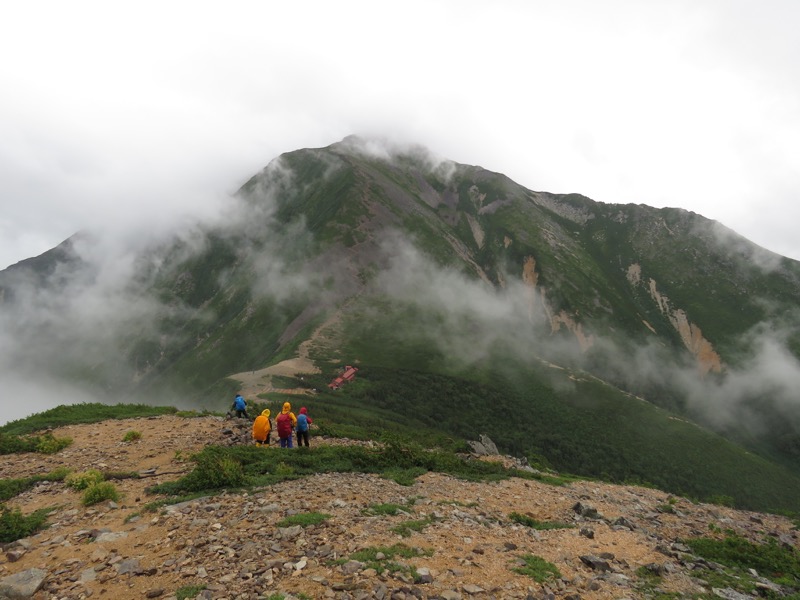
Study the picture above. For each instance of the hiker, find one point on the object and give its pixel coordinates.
(303, 421)
(285, 423)
(240, 406)
(262, 428)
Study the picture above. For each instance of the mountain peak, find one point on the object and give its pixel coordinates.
(457, 291)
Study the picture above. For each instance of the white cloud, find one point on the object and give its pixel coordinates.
(132, 115)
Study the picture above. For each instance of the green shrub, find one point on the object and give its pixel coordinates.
(217, 467)
(191, 414)
(405, 477)
(13, 444)
(536, 568)
(303, 519)
(369, 556)
(45, 444)
(383, 509)
(98, 492)
(770, 559)
(14, 525)
(48, 444)
(132, 436)
(721, 500)
(12, 487)
(214, 469)
(84, 479)
(284, 471)
(188, 591)
(406, 528)
(57, 474)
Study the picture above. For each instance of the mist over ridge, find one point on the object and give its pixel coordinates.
(396, 258)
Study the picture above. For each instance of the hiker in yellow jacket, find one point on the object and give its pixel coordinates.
(285, 423)
(262, 428)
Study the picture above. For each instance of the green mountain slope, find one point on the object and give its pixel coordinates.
(590, 336)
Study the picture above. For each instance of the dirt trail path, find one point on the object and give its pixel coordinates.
(259, 381)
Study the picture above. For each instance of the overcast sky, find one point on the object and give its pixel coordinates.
(133, 115)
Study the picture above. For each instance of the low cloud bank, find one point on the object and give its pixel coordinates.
(473, 318)
(32, 393)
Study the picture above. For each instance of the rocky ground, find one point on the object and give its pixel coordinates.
(230, 545)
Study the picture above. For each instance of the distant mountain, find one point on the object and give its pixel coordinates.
(624, 341)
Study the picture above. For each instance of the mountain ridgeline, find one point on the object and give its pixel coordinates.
(618, 341)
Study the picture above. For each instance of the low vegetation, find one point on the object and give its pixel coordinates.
(382, 558)
(79, 481)
(44, 444)
(99, 492)
(384, 509)
(14, 525)
(536, 568)
(82, 413)
(84, 479)
(94, 486)
(303, 519)
(132, 436)
(13, 487)
(407, 528)
(778, 562)
(188, 591)
(231, 467)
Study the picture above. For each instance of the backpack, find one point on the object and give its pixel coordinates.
(284, 423)
(239, 403)
(302, 422)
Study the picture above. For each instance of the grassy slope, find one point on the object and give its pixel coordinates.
(593, 430)
(81, 413)
(576, 422)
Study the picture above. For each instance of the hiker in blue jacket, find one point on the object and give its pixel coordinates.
(240, 406)
(303, 421)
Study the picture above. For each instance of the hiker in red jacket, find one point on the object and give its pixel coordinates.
(303, 422)
(285, 423)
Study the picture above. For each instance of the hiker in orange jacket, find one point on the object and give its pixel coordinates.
(262, 428)
(285, 423)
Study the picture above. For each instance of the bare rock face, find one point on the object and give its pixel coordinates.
(484, 446)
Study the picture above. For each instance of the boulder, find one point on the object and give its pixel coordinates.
(595, 562)
(23, 584)
(484, 446)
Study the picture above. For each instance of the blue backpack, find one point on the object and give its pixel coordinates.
(302, 422)
(239, 403)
